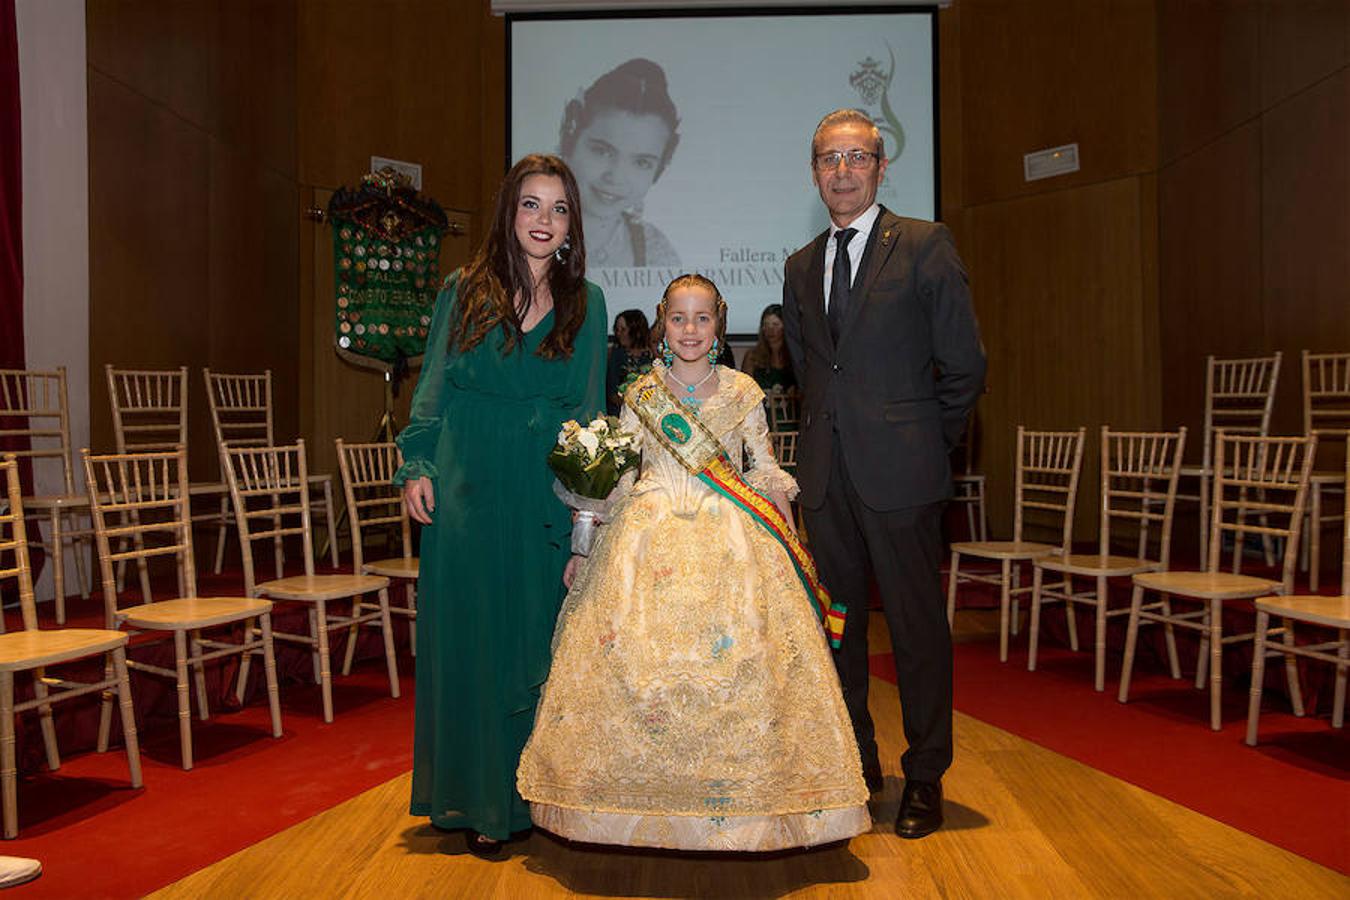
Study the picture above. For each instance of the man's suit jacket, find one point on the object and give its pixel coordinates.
(907, 370)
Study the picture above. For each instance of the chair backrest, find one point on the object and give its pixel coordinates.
(1345, 537)
(141, 502)
(1048, 466)
(269, 488)
(367, 482)
(1326, 394)
(1239, 396)
(149, 408)
(784, 410)
(1265, 477)
(14, 563)
(1140, 470)
(784, 444)
(241, 408)
(40, 400)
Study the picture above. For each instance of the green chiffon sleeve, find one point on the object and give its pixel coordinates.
(587, 372)
(418, 440)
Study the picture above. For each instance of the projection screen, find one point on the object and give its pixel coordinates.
(727, 191)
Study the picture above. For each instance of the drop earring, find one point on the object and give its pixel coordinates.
(563, 249)
(713, 353)
(667, 355)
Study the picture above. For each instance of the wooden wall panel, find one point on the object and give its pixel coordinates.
(149, 248)
(1209, 268)
(403, 83)
(951, 146)
(1302, 42)
(1040, 73)
(1255, 221)
(192, 160)
(422, 82)
(158, 49)
(1305, 230)
(1209, 72)
(1059, 288)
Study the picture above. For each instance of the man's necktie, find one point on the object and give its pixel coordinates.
(841, 281)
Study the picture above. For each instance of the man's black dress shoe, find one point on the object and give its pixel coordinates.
(920, 809)
(876, 782)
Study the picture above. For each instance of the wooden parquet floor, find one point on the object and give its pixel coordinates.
(1021, 822)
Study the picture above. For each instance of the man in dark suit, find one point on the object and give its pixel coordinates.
(881, 331)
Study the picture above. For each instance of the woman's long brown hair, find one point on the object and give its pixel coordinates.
(499, 272)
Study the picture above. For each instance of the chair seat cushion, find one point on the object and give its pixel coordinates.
(395, 567)
(1004, 549)
(1333, 612)
(193, 612)
(1094, 564)
(21, 650)
(322, 587)
(1210, 585)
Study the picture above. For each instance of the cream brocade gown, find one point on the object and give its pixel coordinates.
(692, 703)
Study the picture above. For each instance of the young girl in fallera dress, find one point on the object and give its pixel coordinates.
(692, 703)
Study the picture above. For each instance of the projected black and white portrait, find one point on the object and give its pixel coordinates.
(619, 136)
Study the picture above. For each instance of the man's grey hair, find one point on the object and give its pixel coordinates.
(848, 116)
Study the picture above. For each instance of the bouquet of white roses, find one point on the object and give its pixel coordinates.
(589, 461)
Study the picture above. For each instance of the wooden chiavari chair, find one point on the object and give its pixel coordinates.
(149, 411)
(373, 502)
(241, 416)
(1273, 469)
(1048, 466)
(784, 409)
(1324, 612)
(784, 444)
(146, 495)
(1239, 397)
(1139, 472)
(1326, 413)
(969, 487)
(34, 650)
(39, 399)
(271, 484)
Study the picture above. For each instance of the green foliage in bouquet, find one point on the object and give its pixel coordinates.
(589, 460)
(633, 376)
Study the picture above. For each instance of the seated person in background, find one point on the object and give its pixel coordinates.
(630, 355)
(768, 362)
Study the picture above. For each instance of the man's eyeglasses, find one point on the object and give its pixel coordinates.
(855, 159)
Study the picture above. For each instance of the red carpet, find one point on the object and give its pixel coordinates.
(96, 837)
(1292, 789)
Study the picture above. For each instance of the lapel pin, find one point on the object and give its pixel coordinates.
(885, 237)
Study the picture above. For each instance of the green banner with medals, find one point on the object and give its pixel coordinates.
(386, 252)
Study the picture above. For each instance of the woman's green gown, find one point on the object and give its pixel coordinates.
(481, 427)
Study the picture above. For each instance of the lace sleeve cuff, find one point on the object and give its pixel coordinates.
(772, 478)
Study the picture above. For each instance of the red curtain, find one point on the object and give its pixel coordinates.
(11, 205)
(11, 233)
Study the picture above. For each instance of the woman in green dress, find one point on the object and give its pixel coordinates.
(517, 346)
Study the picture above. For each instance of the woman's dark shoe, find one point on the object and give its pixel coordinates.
(483, 846)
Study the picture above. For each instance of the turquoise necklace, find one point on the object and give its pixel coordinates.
(688, 399)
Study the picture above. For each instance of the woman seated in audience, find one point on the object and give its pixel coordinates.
(768, 361)
(631, 355)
